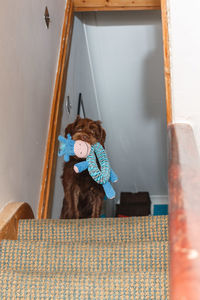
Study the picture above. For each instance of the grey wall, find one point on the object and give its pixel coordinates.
(79, 80)
(126, 54)
(116, 62)
(29, 57)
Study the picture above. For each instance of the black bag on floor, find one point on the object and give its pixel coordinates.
(134, 204)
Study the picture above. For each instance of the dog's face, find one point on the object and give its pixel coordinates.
(86, 130)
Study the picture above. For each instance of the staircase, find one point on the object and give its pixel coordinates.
(111, 258)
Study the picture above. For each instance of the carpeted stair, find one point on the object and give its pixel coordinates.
(108, 258)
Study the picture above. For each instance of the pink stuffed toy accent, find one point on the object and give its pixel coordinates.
(81, 150)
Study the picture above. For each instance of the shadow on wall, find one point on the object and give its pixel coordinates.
(154, 106)
(79, 79)
(119, 18)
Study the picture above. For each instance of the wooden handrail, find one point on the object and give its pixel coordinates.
(10, 216)
(184, 213)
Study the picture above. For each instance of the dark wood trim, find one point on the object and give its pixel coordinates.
(9, 218)
(55, 117)
(167, 72)
(184, 213)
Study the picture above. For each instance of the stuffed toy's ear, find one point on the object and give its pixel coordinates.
(66, 147)
(62, 146)
(71, 127)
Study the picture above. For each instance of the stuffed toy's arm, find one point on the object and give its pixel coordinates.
(80, 167)
(113, 176)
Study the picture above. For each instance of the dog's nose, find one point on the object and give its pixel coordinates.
(85, 138)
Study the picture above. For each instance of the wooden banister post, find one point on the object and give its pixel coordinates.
(184, 214)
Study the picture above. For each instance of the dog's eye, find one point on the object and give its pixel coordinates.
(92, 130)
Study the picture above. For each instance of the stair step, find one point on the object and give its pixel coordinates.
(149, 228)
(138, 286)
(84, 256)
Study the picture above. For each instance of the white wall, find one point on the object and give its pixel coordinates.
(28, 55)
(79, 80)
(184, 31)
(127, 60)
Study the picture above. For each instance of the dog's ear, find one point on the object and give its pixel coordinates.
(102, 133)
(71, 127)
(103, 136)
(77, 119)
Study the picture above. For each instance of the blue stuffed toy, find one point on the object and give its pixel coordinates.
(81, 149)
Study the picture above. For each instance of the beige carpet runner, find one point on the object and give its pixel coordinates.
(111, 258)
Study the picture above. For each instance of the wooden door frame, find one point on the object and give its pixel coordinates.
(167, 72)
(48, 175)
(111, 5)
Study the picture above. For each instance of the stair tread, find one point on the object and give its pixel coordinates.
(111, 258)
(131, 285)
(85, 256)
(107, 229)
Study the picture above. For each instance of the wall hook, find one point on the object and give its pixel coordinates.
(68, 105)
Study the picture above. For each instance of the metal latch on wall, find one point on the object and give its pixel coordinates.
(47, 17)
